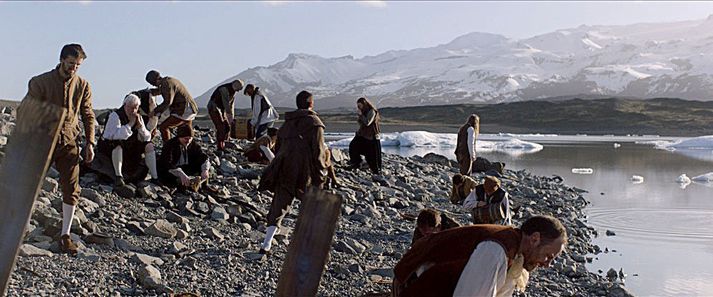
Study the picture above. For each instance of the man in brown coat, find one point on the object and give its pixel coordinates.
(462, 186)
(299, 163)
(63, 87)
(176, 99)
(465, 145)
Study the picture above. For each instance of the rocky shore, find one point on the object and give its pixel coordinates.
(158, 242)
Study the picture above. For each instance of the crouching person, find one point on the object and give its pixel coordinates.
(489, 203)
(183, 163)
(463, 185)
(262, 150)
(431, 221)
(127, 140)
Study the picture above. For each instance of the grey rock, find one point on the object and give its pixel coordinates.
(28, 250)
(213, 233)
(150, 277)
(175, 218)
(162, 228)
(126, 191)
(88, 254)
(219, 214)
(146, 259)
(50, 185)
(181, 234)
(618, 290)
(610, 233)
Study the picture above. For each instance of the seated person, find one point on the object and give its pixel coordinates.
(183, 162)
(462, 186)
(484, 198)
(430, 221)
(262, 150)
(127, 141)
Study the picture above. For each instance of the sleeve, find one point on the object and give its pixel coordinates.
(268, 153)
(318, 145)
(228, 104)
(506, 206)
(256, 112)
(471, 141)
(33, 90)
(369, 117)
(471, 201)
(167, 92)
(114, 130)
(485, 272)
(454, 195)
(177, 172)
(143, 133)
(88, 115)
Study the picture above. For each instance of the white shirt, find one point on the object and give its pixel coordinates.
(485, 275)
(269, 115)
(114, 130)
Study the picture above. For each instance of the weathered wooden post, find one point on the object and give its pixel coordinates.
(309, 248)
(27, 158)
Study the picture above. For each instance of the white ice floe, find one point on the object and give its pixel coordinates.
(637, 179)
(683, 181)
(582, 170)
(696, 143)
(617, 145)
(683, 178)
(704, 178)
(427, 139)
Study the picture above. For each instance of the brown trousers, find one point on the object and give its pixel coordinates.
(465, 164)
(66, 160)
(281, 205)
(222, 127)
(171, 122)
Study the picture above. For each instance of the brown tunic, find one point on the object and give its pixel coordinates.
(459, 193)
(369, 129)
(299, 161)
(447, 254)
(75, 95)
(175, 97)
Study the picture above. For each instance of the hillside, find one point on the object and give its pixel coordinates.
(661, 116)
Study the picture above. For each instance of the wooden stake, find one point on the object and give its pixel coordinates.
(308, 250)
(27, 158)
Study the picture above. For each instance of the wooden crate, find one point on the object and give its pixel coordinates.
(242, 129)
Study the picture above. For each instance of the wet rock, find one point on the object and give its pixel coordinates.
(610, 233)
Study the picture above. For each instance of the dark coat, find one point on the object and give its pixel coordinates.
(299, 161)
(171, 154)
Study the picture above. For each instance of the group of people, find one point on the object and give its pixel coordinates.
(485, 259)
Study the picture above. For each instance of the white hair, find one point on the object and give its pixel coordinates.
(132, 99)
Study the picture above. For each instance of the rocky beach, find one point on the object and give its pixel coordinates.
(151, 241)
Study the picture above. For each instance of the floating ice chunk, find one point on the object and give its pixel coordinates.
(701, 142)
(637, 179)
(582, 170)
(617, 145)
(683, 179)
(704, 178)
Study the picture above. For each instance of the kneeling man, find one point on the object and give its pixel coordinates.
(183, 162)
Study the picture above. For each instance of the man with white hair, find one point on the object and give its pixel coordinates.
(126, 139)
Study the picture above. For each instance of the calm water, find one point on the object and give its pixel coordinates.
(664, 234)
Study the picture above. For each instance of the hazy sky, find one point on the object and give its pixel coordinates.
(203, 43)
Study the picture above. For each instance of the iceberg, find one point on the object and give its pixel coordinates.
(582, 170)
(683, 181)
(704, 178)
(637, 179)
(696, 143)
(414, 139)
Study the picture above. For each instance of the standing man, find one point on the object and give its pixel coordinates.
(480, 260)
(465, 145)
(176, 99)
(221, 108)
(367, 139)
(264, 115)
(298, 165)
(63, 87)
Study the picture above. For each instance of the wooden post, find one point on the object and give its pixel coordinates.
(308, 250)
(27, 158)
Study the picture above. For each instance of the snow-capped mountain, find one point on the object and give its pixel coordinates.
(640, 60)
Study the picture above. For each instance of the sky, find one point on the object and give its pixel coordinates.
(204, 43)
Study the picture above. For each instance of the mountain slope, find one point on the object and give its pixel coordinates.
(639, 60)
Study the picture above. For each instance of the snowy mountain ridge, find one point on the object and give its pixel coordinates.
(640, 60)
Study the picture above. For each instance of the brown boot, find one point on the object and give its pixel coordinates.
(66, 245)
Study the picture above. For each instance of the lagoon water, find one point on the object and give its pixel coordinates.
(664, 231)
